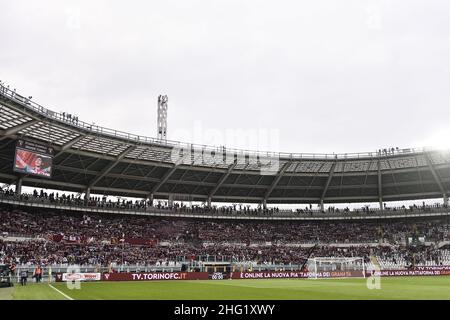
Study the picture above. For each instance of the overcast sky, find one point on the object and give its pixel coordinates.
(303, 76)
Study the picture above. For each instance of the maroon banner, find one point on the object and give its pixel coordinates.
(148, 276)
(70, 238)
(266, 275)
(426, 271)
(162, 276)
(135, 241)
(410, 273)
(141, 241)
(294, 274)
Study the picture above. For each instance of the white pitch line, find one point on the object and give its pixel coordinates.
(65, 295)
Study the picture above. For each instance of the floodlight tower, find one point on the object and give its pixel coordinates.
(162, 118)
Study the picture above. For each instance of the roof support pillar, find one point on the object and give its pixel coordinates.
(19, 186)
(87, 195)
(150, 199)
(264, 203)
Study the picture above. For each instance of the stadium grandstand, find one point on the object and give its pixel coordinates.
(92, 159)
(182, 206)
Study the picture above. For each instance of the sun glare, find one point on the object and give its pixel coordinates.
(438, 140)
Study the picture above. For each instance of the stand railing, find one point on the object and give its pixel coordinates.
(231, 214)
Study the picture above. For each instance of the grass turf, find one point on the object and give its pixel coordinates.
(261, 289)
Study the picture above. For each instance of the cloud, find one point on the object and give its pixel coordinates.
(328, 76)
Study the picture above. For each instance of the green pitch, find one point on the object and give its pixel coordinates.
(284, 289)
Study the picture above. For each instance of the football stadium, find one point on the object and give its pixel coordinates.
(162, 245)
(89, 212)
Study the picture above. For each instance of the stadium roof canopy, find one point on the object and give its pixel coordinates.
(111, 162)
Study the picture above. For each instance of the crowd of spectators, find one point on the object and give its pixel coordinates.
(101, 239)
(34, 222)
(105, 202)
(50, 253)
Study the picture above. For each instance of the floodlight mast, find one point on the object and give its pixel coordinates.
(162, 118)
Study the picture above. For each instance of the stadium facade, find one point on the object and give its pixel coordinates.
(91, 159)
